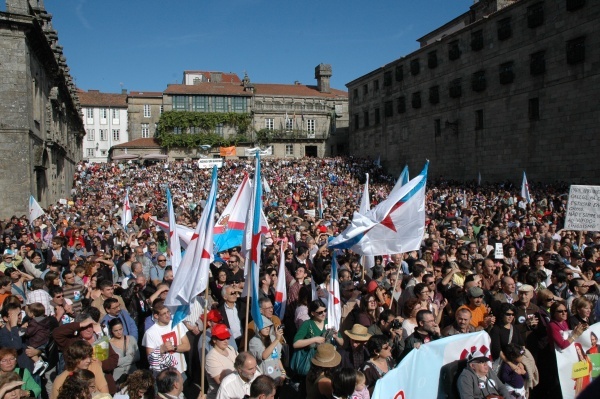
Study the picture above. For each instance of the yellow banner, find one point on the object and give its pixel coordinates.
(580, 369)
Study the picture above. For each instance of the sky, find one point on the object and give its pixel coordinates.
(144, 45)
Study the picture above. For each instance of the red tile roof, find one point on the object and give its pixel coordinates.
(226, 77)
(218, 89)
(140, 143)
(93, 98)
(145, 94)
(295, 91)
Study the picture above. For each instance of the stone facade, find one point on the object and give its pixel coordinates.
(41, 129)
(142, 124)
(514, 88)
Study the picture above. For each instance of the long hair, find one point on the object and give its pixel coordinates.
(140, 380)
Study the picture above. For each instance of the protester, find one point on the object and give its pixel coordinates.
(220, 360)
(8, 365)
(380, 363)
(319, 377)
(478, 381)
(237, 384)
(126, 347)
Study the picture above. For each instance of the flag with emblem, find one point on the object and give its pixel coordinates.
(174, 245)
(525, 190)
(126, 214)
(281, 290)
(334, 306)
(229, 229)
(396, 225)
(192, 277)
(35, 210)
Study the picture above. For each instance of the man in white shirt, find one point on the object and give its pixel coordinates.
(237, 384)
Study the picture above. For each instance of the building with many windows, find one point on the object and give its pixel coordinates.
(41, 130)
(144, 109)
(508, 86)
(105, 119)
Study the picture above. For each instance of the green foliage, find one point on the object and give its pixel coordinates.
(206, 122)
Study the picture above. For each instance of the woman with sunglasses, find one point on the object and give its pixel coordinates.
(381, 361)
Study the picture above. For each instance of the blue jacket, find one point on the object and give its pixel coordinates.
(129, 326)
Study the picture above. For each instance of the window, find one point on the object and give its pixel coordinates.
(415, 67)
(90, 134)
(365, 90)
(535, 15)
(356, 124)
(376, 86)
(401, 107)
(534, 109)
(200, 103)
(388, 109)
(387, 78)
(289, 149)
(103, 113)
(573, 5)
(416, 100)
(432, 61)
(355, 96)
(145, 131)
(366, 118)
(507, 74)
(455, 89)
(311, 125)
(399, 73)
(90, 113)
(537, 63)
(269, 124)
(116, 134)
(103, 134)
(437, 127)
(161, 109)
(239, 104)
(220, 104)
(453, 50)
(377, 116)
(504, 29)
(177, 130)
(478, 119)
(89, 152)
(147, 111)
(103, 153)
(434, 94)
(576, 50)
(477, 40)
(180, 103)
(115, 114)
(219, 129)
(289, 123)
(478, 82)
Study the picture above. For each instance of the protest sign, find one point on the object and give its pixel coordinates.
(583, 208)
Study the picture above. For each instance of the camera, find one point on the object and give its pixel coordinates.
(281, 327)
(395, 324)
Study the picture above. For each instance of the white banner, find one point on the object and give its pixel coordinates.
(579, 363)
(208, 163)
(419, 374)
(583, 208)
(250, 152)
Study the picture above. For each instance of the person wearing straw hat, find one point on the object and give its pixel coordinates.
(356, 354)
(318, 380)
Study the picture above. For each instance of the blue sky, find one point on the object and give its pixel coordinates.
(143, 45)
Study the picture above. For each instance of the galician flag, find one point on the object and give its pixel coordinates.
(185, 233)
(320, 202)
(174, 246)
(35, 210)
(394, 226)
(126, 215)
(334, 306)
(525, 190)
(403, 179)
(364, 207)
(229, 229)
(281, 290)
(252, 245)
(192, 276)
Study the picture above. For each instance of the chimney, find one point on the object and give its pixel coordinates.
(323, 74)
(123, 91)
(216, 77)
(17, 7)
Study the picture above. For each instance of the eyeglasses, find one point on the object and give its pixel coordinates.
(269, 308)
(162, 260)
(561, 311)
(550, 300)
(509, 314)
(386, 347)
(321, 312)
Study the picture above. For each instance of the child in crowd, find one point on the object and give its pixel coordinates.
(38, 332)
(79, 273)
(361, 391)
(514, 379)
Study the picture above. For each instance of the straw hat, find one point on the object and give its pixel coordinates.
(358, 333)
(326, 356)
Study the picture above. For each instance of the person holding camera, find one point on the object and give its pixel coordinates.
(391, 327)
(267, 349)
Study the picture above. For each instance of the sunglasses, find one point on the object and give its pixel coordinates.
(321, 312)
(509, 314)
(561, 311)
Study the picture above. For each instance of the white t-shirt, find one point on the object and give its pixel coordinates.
(233, 387)
(157, 335)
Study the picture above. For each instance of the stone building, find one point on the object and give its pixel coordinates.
(41, 129)
(105, 120)
(508, 86)
(294, 120)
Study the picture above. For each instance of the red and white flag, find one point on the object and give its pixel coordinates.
(174, 245)
(126, 214)
(334, 306)
(281, 289)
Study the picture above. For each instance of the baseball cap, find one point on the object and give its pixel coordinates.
(214, 315)
(475, 292)
(220, 331)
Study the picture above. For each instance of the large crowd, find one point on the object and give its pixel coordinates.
(83, 298)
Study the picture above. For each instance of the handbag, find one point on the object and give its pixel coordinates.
(301, 360)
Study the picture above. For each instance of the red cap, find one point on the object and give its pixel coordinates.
(220, 331)
(372, 286)
(323, 229)
(215, 316)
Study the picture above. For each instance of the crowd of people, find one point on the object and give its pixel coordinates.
(83, 298)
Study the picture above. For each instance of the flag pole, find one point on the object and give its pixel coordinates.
(247, 310)
(202, 360)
